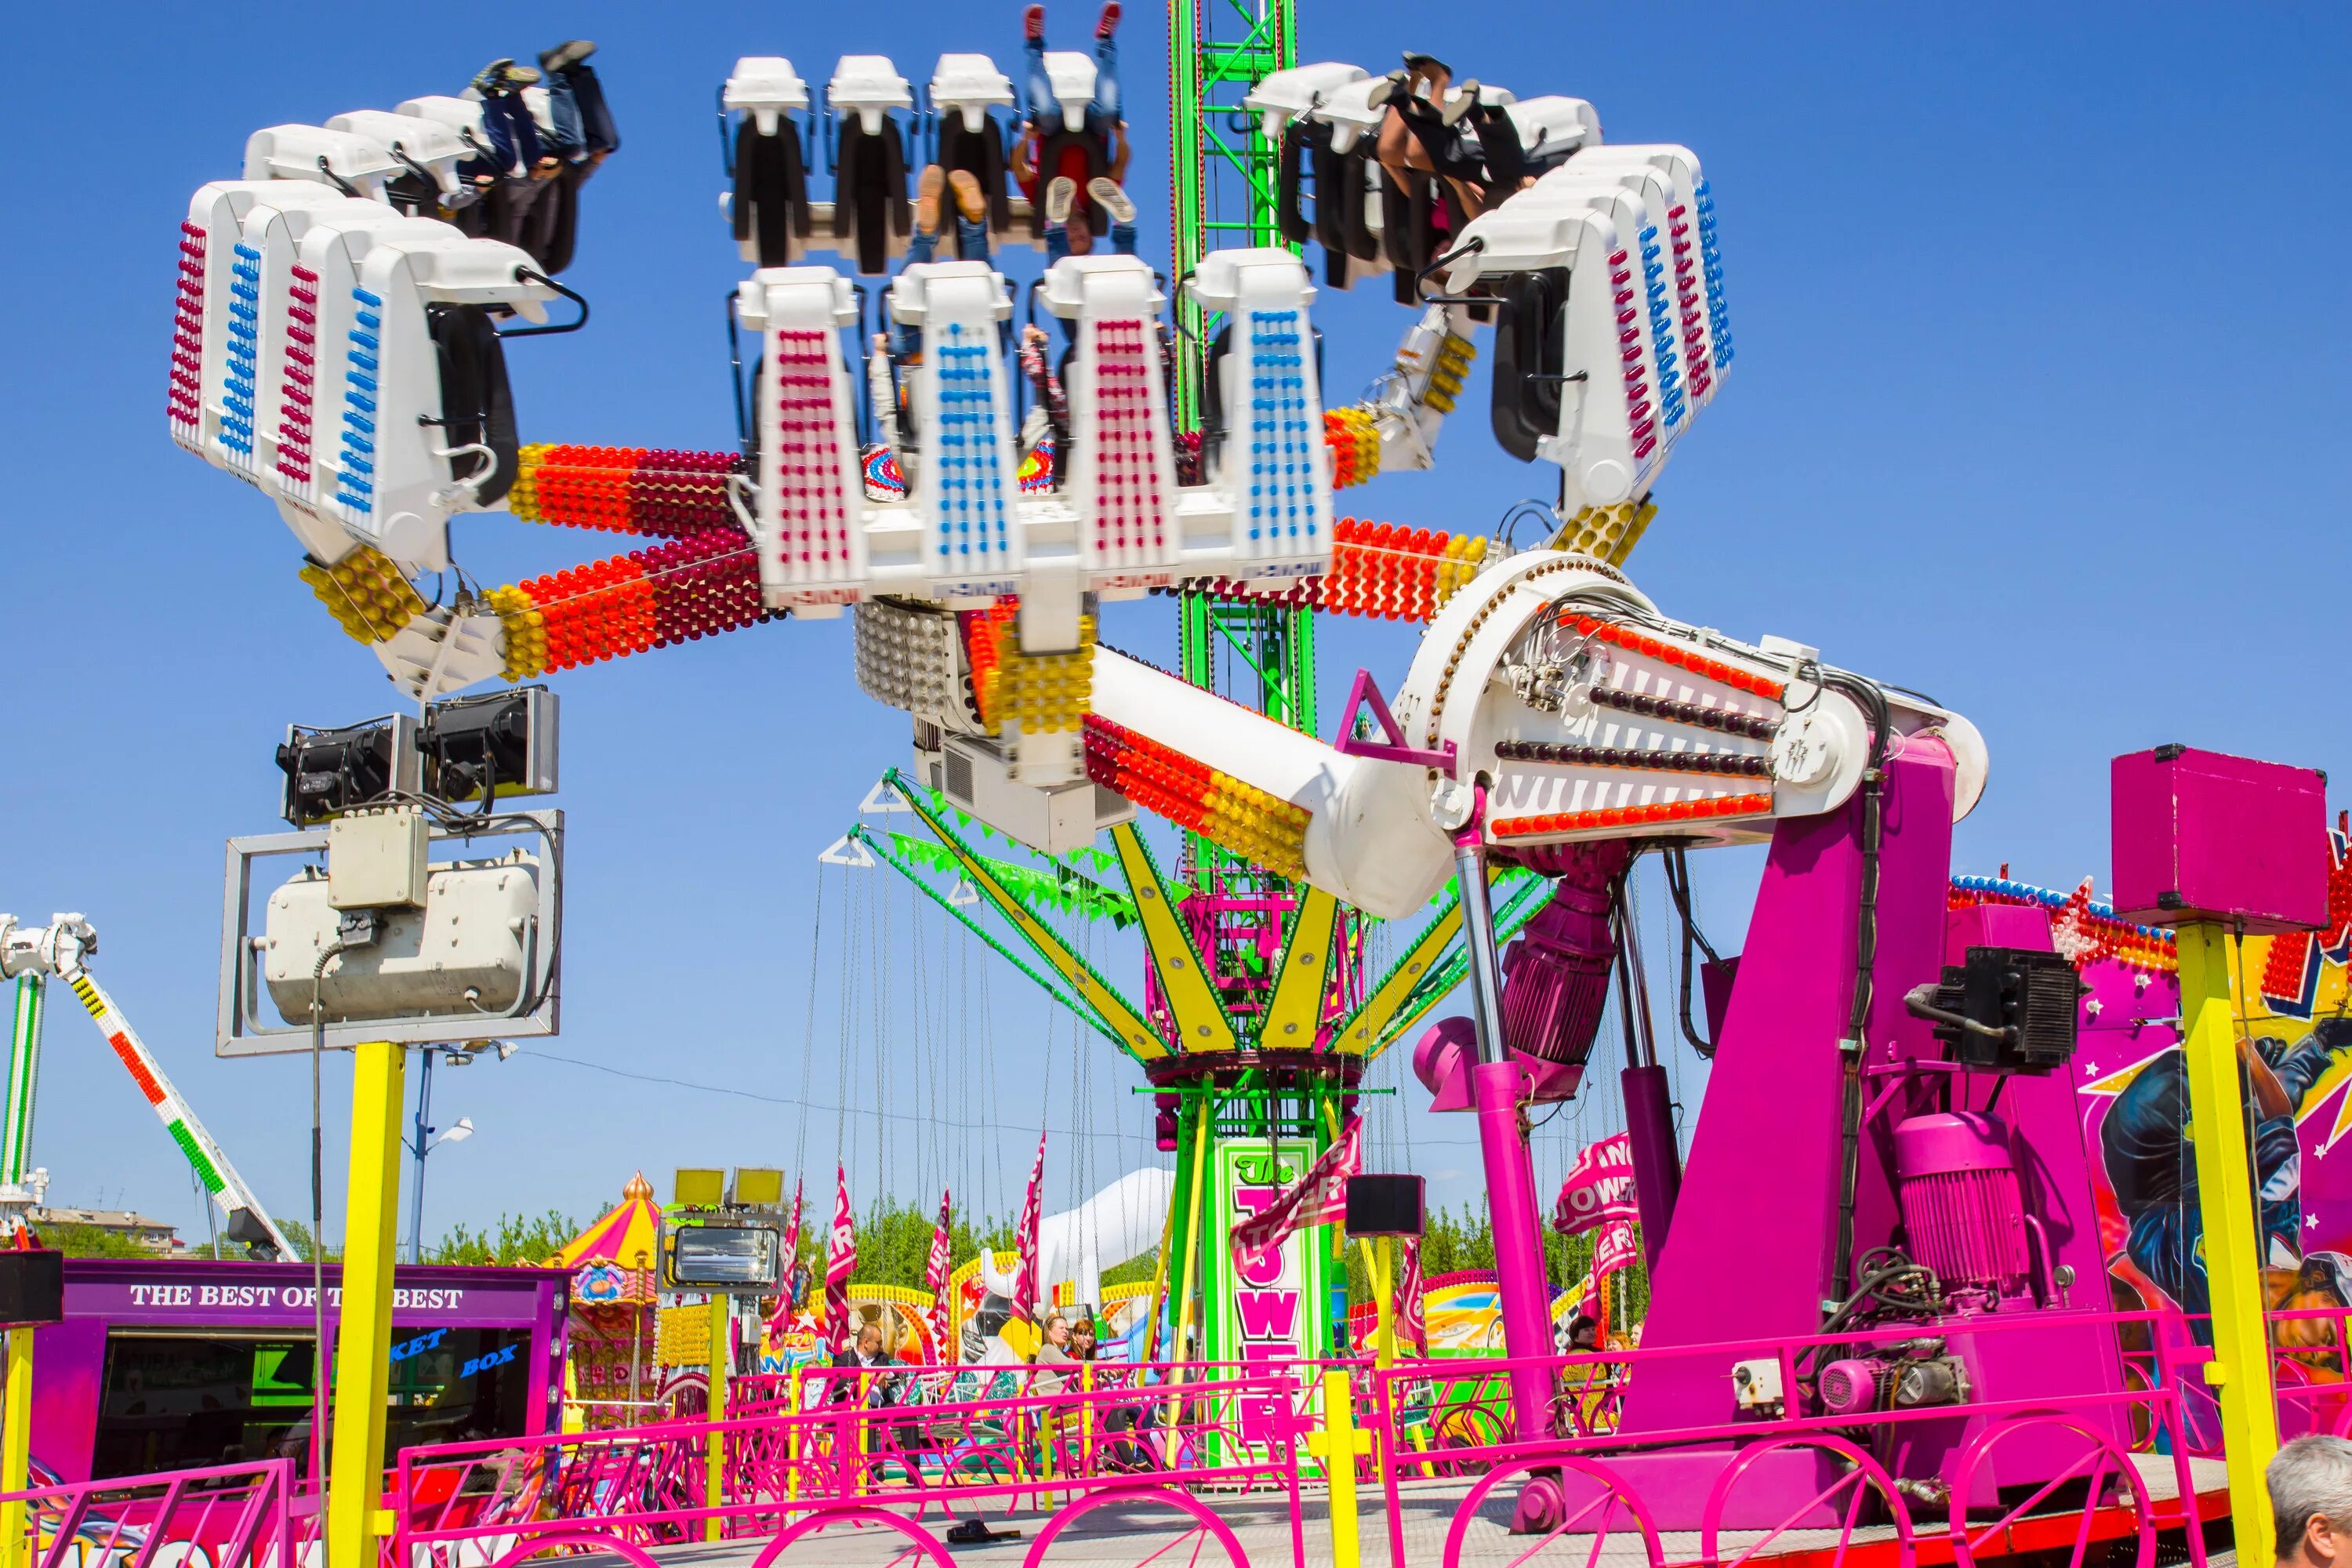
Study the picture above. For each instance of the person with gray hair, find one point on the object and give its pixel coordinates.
(2310, 1482)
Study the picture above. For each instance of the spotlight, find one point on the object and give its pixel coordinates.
(328, 771)
(491, 746)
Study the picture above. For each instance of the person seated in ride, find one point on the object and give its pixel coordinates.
(514, 179)
(901, 348)
(1070, 172)
(1423, 134)
(906, 343)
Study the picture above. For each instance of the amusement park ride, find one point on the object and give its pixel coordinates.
(344, 357)
(32, 956)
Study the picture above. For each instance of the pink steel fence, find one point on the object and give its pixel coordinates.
(236, 1516)
(1195, 1459)
(900, 1452)
(2090, 1492)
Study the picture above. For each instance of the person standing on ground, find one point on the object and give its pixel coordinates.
(2310, 1482)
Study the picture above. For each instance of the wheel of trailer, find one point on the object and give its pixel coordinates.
(817, 1539)
(1562, 1511)
(2042, 1520)
(1146, 1522)
(1844, 1498)
(576, 1543)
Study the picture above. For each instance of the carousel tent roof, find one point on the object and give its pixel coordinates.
(629, 1236)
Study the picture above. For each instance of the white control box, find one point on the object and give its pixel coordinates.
(1756, 1385)
(376, 859)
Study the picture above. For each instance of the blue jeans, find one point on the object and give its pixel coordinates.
(1103, 113)
(971, 241)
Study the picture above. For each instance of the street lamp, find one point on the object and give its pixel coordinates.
(427, 1138)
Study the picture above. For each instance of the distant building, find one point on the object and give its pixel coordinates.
(144, 1230)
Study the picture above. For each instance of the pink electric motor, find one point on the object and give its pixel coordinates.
(1957, 1180)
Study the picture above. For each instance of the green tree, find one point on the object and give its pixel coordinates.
(304, 1246)
(89, 1241)
(509, 1239)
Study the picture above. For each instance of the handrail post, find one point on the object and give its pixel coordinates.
(714, 1445)
(16, 1450)
(1338, 1445)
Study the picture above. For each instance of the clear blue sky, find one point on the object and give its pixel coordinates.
(2033, 410)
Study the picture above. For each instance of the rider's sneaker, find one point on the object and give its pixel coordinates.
(1061, 194)
(968, 197)
(927, 199)
(1107, 195)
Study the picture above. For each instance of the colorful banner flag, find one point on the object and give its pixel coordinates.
(1316, 1198)
(1026, 1285)
(787, 1294)
(934, 1278)
(1613, 1249)
(840, 1262)
(1599, 1188)
(1411, 1323)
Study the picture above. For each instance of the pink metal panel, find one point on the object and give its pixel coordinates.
(2202, 836)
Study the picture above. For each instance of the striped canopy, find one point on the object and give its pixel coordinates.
(628, 1236)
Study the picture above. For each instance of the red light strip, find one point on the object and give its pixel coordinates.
(625, 490)
(188, 329)
(1631, 815)
(1673, 654)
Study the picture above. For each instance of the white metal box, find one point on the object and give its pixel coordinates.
(978, 777)
(376, 859)
(467, 950)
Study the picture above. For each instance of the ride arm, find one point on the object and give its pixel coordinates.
(212, 1165)
(1547, 691)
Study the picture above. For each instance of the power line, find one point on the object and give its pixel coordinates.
(533, 1054)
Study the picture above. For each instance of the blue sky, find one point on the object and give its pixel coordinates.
(2033, 410)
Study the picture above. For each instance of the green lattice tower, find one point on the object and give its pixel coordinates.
(1223, 191)
(1224, 195)
(1222, 184)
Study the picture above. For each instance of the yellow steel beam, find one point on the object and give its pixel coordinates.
(1139, 1036)
(714, 1446)
(1361, 1030)
(16, 1450)
(1201, 1021)
(364, 1335)
(1295, 1007)
(2241, 1368)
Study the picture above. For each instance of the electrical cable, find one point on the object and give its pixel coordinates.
(1873, 700)
(1677, 872)
(318, 1209)
(1896, 1284)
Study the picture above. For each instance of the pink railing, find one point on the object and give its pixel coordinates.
(898, 1451)
(1602, 1492)
(241, 1516)
(1202, 1461)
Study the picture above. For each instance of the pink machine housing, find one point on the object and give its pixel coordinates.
(1999, 1205)
(2204, 836)
(1555, 989)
